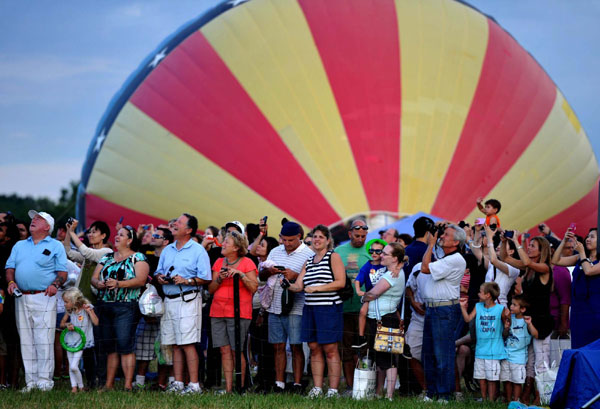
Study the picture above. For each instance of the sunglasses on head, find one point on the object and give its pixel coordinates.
(360, 228)
(376, 251)
(130, 230)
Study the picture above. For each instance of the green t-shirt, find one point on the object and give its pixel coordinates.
(353, 258)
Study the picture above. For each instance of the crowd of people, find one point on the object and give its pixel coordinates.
(479, 305)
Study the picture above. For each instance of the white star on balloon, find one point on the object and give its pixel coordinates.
(100, 141)
(158, 58)
(234, 3)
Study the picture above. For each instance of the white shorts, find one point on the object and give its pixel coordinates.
(414, 339)
(488, 369)
(512, 372)
(182, 322)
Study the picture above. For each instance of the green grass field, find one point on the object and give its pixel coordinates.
(62, 398)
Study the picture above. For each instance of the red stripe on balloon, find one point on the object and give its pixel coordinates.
(584, 213)
(195, 96)
(360, 51)
(514, 97)
(97, 208)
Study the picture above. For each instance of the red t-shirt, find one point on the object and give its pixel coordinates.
(222, 304)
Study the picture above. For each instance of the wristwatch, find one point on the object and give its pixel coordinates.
(190, 281)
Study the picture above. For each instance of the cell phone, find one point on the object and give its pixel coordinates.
(285, 283)
(146, 226)
(263, 221)
(509, 234)
(541, 227)
(526, 235)
(280, 268)
(483, 233)
(573, 227)
(17, 293)
(121, 220)
(480, 220)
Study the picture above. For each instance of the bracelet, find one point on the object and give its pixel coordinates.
(11, 282)
(55, 286)
(586, 259)
(519, 247)
(474, 246)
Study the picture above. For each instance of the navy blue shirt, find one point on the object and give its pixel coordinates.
(415, 252)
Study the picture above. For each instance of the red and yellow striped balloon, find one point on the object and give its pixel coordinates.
(321, 110)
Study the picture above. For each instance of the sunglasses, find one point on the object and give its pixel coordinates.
(130, 230)
(157, 236)
(376, 251)
(365, 228)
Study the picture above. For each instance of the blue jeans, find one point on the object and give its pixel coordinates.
(439, 350)
(118, 324)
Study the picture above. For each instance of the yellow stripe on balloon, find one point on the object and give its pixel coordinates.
(268, 46)
(145, 168)
(551, 174)
(442, 48)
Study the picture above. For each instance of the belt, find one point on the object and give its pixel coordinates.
(31, 292)
(173, 296)
(442, 303)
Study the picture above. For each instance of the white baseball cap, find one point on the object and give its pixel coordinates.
(238, 225)
(43, 215)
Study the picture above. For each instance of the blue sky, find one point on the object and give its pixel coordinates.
(61, 63)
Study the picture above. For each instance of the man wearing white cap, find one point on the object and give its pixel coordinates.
(35, 270)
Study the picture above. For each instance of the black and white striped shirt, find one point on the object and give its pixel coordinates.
(320, 274)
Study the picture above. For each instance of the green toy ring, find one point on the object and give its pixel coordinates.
(76, 348)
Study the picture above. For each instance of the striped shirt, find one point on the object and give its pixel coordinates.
(320, 274)
(293, 261)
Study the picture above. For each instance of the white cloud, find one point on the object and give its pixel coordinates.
(38, 179)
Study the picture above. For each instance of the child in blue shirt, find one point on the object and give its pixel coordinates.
(489, 347)
(370, 273)
(520, 331)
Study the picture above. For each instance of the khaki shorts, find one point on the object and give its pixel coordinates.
(223, 332)
(182, 322)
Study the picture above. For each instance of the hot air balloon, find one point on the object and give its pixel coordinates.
(322, 110)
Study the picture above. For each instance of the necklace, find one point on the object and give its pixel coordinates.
(227, 263)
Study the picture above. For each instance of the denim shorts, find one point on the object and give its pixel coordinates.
(118, 323)
(322, 324)
(283, 326)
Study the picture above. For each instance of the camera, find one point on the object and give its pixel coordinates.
(440, 229)
(509, 234)
(17, 293)
(493, 226)
(70, 220)
(285, 283)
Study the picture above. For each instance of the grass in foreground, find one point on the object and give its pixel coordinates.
(62, 398)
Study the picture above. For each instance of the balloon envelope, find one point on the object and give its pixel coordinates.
(322, 110)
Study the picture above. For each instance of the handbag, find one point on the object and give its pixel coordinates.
(347, 291)
(387, 339)
(150, 303)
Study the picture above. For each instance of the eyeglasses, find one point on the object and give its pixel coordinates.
(376, 251)
(360, 228)
(157, 236)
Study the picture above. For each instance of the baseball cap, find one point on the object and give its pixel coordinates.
(290, 229)
(238, 225)
(43, 215)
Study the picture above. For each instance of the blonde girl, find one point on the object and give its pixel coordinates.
(80, 313)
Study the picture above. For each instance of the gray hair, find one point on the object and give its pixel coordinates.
(459, 234)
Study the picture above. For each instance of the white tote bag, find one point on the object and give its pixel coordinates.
(365, 379)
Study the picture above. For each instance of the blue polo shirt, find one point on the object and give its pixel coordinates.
(36, 264)
(188, 262)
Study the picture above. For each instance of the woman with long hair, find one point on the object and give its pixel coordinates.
(536, 284)
(585, 288)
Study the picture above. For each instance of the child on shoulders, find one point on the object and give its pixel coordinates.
(370, 273)
(491, 209)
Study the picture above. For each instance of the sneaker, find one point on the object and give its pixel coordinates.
(360, 342)
(28, 388)
(332, 393)
(298, 389)
(191, 390)
(220, 392)
(315, 393)
(459, 397)
(175, 387)
(347, 393)
(442, 401)
(138, 387)
(277, 389)
(426, 399)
